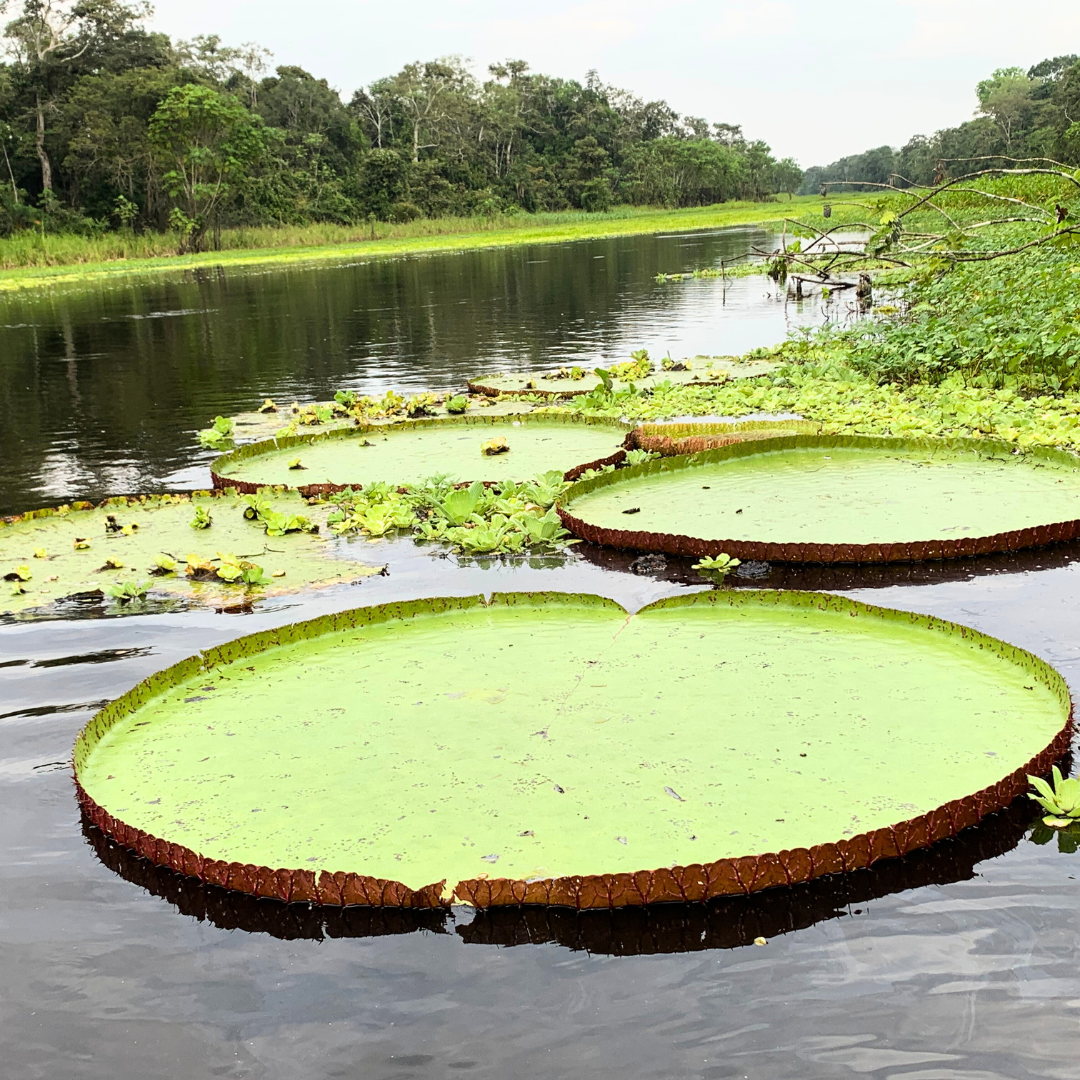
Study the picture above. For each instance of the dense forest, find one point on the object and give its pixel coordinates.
(105, 125)
(1020, 115)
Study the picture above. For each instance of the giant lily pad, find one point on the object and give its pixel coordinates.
(415, 450)
(706, 371)
(257, 426)
(83, 550)
(834, 499)
(710, 744)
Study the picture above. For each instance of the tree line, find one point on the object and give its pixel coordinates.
(107, 125)
(1021, 114)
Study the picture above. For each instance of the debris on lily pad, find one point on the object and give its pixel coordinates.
(238, 555)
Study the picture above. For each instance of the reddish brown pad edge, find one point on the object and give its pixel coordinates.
(768, 551)
(679, 884)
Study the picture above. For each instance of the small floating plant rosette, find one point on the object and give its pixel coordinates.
(833, 499)
(415, 450)
(546, 748)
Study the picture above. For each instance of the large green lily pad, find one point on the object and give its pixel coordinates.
(162, 524)
(706, 371)
(834, 499)
(411, 452)
(257, 426)
(551, 748)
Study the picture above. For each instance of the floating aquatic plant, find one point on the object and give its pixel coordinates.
(508, 518)
(717, 564)
(218, 434)
(128, 591)
(163, 564)
(639, 457)
(498, 445)
(20, 573)
(202, 518)
(1061, 802)
(237, 571)
(457, 404)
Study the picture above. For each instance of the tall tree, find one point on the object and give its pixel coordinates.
(208, 144)
(47, 39)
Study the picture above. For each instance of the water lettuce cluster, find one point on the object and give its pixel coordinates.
(507, 518)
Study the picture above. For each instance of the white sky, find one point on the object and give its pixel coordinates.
(815, 80)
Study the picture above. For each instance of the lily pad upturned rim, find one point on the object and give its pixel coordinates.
(285, 442)
(690, 437)
(773, 551)
(484, 384)
(678, 884)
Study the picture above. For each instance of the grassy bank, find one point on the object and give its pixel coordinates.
(31, 261)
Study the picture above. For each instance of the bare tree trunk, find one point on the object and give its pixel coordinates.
(11, 175)
(39, 142)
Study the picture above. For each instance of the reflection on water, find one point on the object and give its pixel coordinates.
(100, 392)
(661, 928)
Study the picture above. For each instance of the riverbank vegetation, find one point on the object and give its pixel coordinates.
(107, 128)
(29, 260)
(980, 336)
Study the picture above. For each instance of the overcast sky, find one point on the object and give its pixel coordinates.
(815, 80)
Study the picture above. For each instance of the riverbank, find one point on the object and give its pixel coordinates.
(34, 261)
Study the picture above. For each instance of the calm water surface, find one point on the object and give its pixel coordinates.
(102, 388)
(959, 963)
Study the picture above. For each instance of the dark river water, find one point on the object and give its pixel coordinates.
(957, 963)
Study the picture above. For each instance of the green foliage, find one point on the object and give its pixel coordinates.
(420, 405)
(1061, 802)
(202, 518)
(215, 437)
(279, 524)
(457, 404)
(721, 565)
(504, 519)
(639, 457)
(255, 506)
(20, 573)
(207, 143)
(460, 504)
(637, 367)
(163, 564)
(235, 571)
(259, 508)
(1006, 323)
(128, 591)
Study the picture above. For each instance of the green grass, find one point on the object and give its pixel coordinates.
(31, 261)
